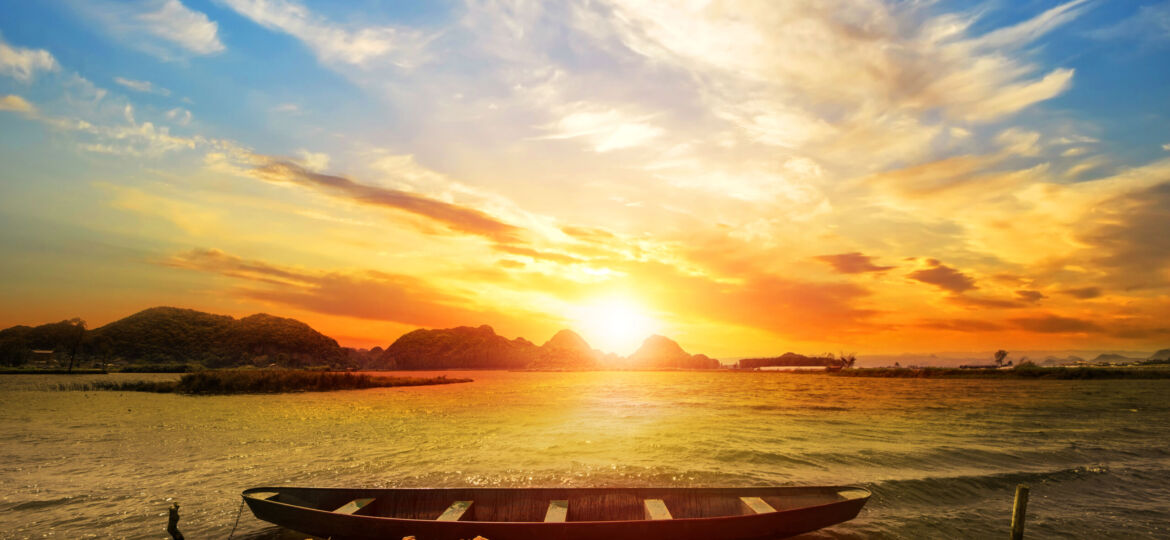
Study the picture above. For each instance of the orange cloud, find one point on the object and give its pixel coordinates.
(363, 294)
(1084, 293)
(1055, 324)
(944, 277)
(455, 217)
(852, 263)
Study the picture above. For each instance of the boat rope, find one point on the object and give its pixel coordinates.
(238, 512)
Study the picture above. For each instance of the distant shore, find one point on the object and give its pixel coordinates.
(1061, 373)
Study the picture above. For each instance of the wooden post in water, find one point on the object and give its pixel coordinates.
(1018, 510)
(173, 522)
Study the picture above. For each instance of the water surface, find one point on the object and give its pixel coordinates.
(941, 456)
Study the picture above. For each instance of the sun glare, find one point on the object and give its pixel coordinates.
(616, 325)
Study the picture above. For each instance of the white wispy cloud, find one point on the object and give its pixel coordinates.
(23, 64)
(330, 41)
(179, 116)
(142, 86)
(166, 29)
(606, 129)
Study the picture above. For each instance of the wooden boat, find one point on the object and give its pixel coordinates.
(755, 513)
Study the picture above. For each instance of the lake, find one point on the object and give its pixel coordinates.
(942, 457)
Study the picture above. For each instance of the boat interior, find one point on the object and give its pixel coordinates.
(557, 505)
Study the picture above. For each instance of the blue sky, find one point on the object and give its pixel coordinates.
(902, 174)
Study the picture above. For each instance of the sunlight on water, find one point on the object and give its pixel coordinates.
(942, 456)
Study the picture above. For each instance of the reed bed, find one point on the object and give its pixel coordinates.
(222, 382)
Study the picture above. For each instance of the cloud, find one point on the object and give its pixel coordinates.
(588, 233)
(332, 42)
(539, 255)
(455, 217)
(163, 28)
(984, 302)
(361, 294)
(1151, 23)
(944, 277)
(316, 161)
(23, 64)
(769, 55)
(604, 129)
(852, 263)
(1166, 147)
(960, 325)
(1084, 293)
(1128, 239)
(1030, 296)
(179, 116)
(15, 103)
(142, 86)
(1055, 324)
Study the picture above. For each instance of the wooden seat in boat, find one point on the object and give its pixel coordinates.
(455, 512)
(756, 505)
(558, 512)
(656, 509)
(352, 507)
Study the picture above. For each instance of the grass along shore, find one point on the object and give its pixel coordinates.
(269, 381)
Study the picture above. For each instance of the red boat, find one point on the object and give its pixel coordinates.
(748, 513)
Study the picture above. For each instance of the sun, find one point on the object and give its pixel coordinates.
(617, 325)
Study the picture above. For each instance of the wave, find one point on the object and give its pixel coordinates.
(35, 504)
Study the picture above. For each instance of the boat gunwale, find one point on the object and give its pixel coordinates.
(767, 515)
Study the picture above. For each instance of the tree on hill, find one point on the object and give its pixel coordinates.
(999, 356)
(80, 325)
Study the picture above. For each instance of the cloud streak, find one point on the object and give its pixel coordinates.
(364, 294)
(454, 217)
(330, 41)
(146, 87)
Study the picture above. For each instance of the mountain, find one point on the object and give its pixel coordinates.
(790, 359)
(566, 350)
(1162, 355)
(463, 347)
(481, 348)
(661, 352)
(174, 335)
(1114, 358)
(18, 342)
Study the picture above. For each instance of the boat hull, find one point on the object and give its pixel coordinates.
(291, 509)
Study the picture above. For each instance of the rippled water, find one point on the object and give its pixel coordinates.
(941, 456)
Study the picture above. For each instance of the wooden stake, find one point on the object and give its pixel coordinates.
(1018, 510)
(173, 523)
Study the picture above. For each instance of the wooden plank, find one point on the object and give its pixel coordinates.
(656, 509)
(264, 495)
(756, 505)
(455, 511)
(353, 506)
(558, 511)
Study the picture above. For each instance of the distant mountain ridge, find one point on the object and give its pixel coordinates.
(171, 336)
(465, 347)
(168, 335)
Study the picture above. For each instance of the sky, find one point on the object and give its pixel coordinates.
(747, 178)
